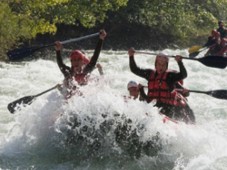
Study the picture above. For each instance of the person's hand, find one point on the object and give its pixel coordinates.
(58, 46)
(59, 87)
(178, 58)
(131, 52)
(98, 66)
(102, 34)
(185, 92)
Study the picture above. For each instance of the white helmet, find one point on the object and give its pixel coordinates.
(132, 84)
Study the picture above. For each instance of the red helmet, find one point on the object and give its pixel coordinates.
(77, 54)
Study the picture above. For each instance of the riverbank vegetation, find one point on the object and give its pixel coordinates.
(144, 24)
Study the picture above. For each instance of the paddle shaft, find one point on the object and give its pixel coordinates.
(80, 38)
(150, 53)
(198, 91)
(26, 100)
(210, 61)
(219, 94)
(193, 53)
(52, 88)
(17, 54)
(194, 91)
(73, 40)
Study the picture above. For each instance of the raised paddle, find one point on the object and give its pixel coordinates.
(210, 61)
(20, 53)
(15, 105)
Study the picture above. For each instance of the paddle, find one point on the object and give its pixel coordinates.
(195, 53)
(210, 61)
(20, 53)
(15, 105)
(194, 48)
(219, 94)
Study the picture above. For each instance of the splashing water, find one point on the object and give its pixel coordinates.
(99, 130)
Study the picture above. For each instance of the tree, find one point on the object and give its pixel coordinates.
(176, 21)
(24, 19)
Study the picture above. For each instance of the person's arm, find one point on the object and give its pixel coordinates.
(143, 96)
(182, 90)
(209, 42)
(144, 73)
(91, 65)
(173, 77)
(64, 69)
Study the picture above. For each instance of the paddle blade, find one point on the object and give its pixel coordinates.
(214, 61)
(21, 53)
(219, 94)
(15, 105)
(194, 54)
(194, 49)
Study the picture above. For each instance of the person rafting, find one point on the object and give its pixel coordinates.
(213, 38)
(216, 35)
(134, 91)
(181, 89)
(221, 29)
(161, 86)
(81, 66)
(217, 46)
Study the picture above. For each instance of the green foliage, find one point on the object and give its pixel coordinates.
(180, 19)
(24, 19)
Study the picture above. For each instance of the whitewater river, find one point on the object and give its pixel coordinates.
(81, 133)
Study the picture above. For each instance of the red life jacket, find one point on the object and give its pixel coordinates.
(71, 86)
(81, 79)
(159, 90)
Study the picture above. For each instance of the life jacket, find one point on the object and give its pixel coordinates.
(81, 79)
(159, 90)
